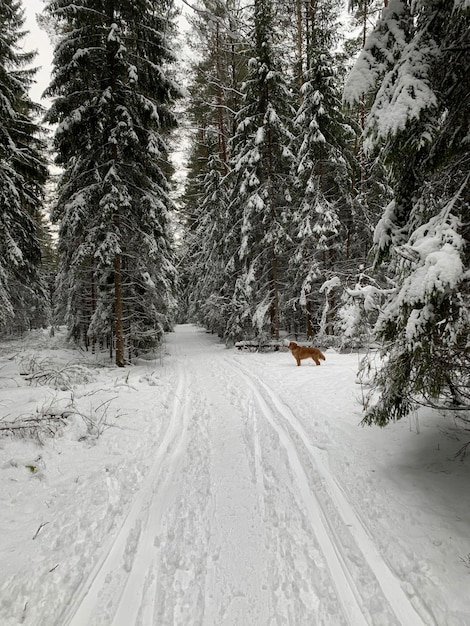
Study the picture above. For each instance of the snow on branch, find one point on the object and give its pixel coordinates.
(377, 56)
(328, 285)
(405, 92)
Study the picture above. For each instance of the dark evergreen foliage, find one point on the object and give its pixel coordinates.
(23, 172)
(285, 192)
(325, 245)
(112, 98)
(210, 242)
(260, 200)
(420, 123)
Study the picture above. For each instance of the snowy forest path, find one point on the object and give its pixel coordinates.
(329, 508)
(239, 521)
(132, 549)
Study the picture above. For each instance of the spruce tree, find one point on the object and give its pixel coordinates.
(214, 98)
(370, 184)
(324, 220)
(370, 190)
(112, 97)
(208, 251)
(260, 198)
(23, 172)
(419, 123)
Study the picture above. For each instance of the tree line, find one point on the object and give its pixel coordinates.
(327, 187)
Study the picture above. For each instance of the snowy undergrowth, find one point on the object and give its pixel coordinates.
(224, 487)
(66, 483)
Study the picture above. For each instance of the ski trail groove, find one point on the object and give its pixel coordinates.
(257, 453)
(391, 587)
(137, 533)
(345, 587)
(398, 600)
(142, 579)
(236, 589)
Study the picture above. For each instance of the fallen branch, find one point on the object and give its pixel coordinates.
(462, 453)
(259, 345)
(35, 426)
(59, 378)
(50, 418)
(39, 530)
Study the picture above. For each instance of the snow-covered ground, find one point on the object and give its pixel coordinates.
(215, 487)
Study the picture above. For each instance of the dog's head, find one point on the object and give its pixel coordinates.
(292, 345)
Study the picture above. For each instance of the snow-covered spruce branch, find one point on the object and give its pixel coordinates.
(462, 407)
(46, 422)
(212, 17)
(72, 8)
(49, 419)
(43, 372)
(218, 106)
(225, 88)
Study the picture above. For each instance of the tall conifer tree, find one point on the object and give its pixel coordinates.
(215, 96)
(23, 173)
(323, 221)
(416, 63)
(260, 198)
(112, 98)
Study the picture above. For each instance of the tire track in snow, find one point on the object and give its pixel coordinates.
(132, 553)
(398, 600)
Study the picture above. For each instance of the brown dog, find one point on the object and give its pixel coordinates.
(305, 352)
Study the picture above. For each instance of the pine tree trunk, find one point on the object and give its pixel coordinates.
(110, 337)
(298, 10)
(275, 321)
(118, 326)
(93, 306)
(312, 9)
(275, 296)
(220, 106)
(117, 264)
(308, 315)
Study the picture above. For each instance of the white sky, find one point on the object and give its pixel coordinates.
(37, 40)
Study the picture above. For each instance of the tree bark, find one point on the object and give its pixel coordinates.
(298, 10)
(275, 296)
(117, 263)
(220, 105)
(118, 326)
(308, 316)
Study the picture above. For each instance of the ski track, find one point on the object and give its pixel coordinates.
(347, 591)
(239, 521)
(132, 550)
(233, 585)
(282, 419)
